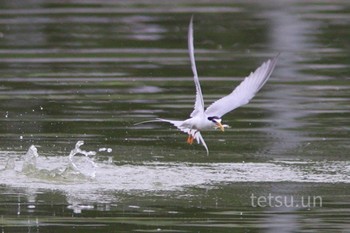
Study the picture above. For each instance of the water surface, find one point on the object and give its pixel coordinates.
(89, 70)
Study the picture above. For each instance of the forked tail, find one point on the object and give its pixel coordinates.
(175, 123)
(180, 125)
(200, 140)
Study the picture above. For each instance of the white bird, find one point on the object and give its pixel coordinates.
(210, 118)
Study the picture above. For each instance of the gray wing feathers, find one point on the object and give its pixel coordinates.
(243, 93)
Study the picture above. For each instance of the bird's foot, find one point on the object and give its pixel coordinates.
(190, 139)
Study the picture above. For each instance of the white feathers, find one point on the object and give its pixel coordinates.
(244, 92)
(241, 95)
(200, 139)
(199, 103)
(181, 125)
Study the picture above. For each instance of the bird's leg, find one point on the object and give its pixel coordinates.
(190, 139)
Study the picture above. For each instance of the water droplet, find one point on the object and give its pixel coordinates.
(103, 149)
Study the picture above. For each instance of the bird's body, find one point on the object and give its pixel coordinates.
(199, 122)
(204, 119)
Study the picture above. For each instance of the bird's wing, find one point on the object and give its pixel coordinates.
(244, 92)
(199, 104)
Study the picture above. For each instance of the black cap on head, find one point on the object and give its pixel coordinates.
(213, 118)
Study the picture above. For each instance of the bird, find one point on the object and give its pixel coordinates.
(202, 119)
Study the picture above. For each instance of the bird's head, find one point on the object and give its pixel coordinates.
(217, 121)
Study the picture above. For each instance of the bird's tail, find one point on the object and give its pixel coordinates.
(150, 121)
(200, 140)
(177, 124)
(180, 125)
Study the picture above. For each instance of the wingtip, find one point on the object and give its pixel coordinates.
(190, 25)
(275, 58)
(273, 61)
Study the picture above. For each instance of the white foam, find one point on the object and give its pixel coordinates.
(81, 176)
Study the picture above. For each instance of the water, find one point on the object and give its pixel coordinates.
(86, 71)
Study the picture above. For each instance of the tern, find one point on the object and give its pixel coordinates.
(210, 118)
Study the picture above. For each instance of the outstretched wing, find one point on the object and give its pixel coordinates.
(199, 104)
(243, 93)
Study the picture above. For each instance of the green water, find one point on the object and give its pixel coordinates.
(89, 70)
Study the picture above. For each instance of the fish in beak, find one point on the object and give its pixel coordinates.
(217, 121)
(220, 126)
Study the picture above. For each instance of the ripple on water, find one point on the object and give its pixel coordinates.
(82, 175)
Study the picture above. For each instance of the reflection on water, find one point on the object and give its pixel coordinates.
(78, 70)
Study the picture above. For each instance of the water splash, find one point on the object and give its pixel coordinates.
(29, 165)
(87, 166)
(54, 170)
(82, 178)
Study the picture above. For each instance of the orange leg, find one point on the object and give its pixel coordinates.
(190, 139)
